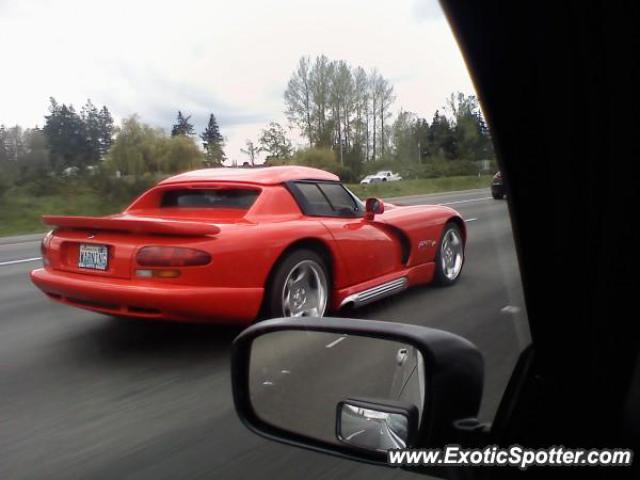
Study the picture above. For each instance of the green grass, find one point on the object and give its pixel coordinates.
(420, 186)
(20, 210)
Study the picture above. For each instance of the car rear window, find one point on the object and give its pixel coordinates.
(241, 198)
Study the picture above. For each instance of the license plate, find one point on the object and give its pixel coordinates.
(95, 257)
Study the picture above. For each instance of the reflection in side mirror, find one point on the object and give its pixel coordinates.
(355, 388)
(297, 378)
(376, 426)
(373, 207)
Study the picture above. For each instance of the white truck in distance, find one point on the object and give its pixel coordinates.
(381, 176)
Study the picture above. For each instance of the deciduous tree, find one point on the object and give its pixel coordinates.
(297, 99)
(251, 151)
(273, 140)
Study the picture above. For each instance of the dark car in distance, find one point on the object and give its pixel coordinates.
(497, 186)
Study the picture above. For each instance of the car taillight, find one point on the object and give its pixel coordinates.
(43, 253)
(44, 245)
(171, 257)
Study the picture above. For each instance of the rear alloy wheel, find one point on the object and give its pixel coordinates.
(450, 255)
(300, 286)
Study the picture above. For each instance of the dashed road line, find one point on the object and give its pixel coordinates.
(335, 342)
(470, 200)
(22, 260)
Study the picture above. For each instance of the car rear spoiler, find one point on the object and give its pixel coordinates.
(132, 224)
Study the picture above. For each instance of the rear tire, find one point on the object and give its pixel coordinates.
(498, 196)
(299, 286)
(450, 256)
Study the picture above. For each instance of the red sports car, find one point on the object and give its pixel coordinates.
(232, 245)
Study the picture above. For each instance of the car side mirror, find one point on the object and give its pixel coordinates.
(355, 388)
(373, 207)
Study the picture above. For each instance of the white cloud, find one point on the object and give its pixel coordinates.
(230, 58)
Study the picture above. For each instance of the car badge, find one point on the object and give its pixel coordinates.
(422, 244)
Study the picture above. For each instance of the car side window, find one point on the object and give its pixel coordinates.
(325, 199)
(312, 200)
(341, 201)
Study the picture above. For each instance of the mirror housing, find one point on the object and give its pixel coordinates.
(373, 206)
(454, 380)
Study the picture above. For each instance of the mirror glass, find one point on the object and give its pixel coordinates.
(302, 381)
(374, 205)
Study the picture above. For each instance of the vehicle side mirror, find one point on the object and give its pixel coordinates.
(373, 207)
(355, 388)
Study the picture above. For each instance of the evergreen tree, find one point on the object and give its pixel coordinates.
(67, 138)
(105, 126)
(90, 116)
(421, 132)
(182, 126)
(4, 154)
(35, 162)
(441, 138)
(213, 143)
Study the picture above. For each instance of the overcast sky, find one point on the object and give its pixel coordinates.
(231, 57)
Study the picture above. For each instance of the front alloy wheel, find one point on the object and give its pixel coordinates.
(450, 256)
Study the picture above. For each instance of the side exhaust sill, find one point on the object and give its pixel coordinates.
(375, 293)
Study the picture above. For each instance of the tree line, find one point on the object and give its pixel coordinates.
(345, 112)
(342, 112)
(68, 140)
(76, 143)
(340, 106)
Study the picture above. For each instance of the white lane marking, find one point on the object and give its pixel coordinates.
(335, 342)
(20, 243)
(466, 201)
(454, 193)
(510, 309)
(354, 434)
(467, 220)
(23, 260)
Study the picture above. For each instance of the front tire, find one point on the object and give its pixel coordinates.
(450, 256)
(299, 286)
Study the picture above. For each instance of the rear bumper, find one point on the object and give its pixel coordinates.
(497, 189)
(166, 302)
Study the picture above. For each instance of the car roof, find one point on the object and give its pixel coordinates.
(260, 175)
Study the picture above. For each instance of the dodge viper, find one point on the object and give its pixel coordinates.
(232, 245)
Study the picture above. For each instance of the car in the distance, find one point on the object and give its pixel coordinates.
(229, 245)
(497, 186)
(381, 176)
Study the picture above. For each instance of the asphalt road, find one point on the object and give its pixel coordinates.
(88, 396)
